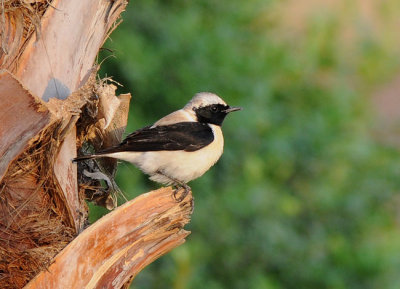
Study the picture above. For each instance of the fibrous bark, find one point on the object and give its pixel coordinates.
(48, 84)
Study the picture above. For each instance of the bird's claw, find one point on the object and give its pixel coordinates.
(186, 190)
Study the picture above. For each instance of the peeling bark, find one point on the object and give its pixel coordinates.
(48, 79)
(115, 248)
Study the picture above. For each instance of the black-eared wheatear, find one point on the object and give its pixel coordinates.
(178, 148)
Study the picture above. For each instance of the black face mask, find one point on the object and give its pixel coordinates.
(213, 113)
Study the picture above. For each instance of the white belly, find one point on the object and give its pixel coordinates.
(180, 165)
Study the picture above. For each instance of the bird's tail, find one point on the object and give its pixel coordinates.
(82, 158)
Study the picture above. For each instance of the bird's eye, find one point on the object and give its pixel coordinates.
(214, 109)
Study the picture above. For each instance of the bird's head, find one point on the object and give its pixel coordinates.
(209, 108)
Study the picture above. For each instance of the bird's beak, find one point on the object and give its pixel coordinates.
(232, 108)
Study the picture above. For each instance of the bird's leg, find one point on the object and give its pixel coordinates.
(177, 184)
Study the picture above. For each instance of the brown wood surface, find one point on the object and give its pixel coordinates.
(22, 116)
(119, 245)
(52, 76)
(54, 62)
(41, 208)
(64, 51)
(58, 60)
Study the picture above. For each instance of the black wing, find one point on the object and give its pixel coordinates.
(187, 136)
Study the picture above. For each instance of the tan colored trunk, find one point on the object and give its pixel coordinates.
(47, 86)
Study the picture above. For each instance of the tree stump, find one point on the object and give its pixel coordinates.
(47, 87)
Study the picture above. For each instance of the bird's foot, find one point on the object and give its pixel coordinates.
(178, 187)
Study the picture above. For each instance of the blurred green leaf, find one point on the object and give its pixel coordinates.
(304, 196)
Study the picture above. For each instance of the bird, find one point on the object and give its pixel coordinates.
(179, 147)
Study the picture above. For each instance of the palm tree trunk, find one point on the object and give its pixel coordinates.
(47, 80)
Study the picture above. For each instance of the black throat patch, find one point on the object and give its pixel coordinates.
(213, 113)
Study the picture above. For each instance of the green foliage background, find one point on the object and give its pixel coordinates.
(304, 196)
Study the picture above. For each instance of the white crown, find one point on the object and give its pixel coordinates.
(203, 99)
